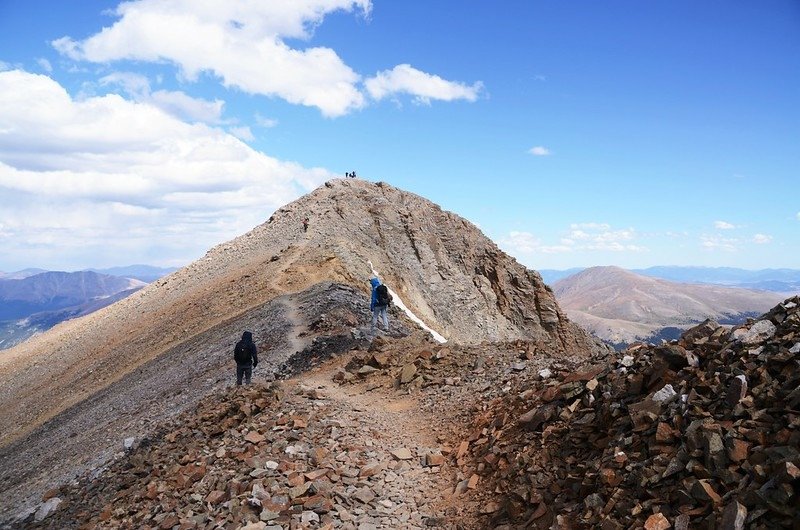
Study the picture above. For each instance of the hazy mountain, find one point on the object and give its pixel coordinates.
(19, 275)
(51, 291)
(551, 276)
(150, 356)
(13, 332)
(145, 273)
(621, 306)
(777, 280)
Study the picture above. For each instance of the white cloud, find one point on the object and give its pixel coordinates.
(581, 237)
(177, 103)
(798, 216)
(44, 64)
(267, 123)
(539, 150)
(723, 225)
(600, 236)
(242, 133)
(406, 79)
(715, 242)
(244, 44)
(125, 178)
(523, 242)
(240, 41)
(762, 239)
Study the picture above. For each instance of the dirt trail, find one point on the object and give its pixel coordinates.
(299, 325)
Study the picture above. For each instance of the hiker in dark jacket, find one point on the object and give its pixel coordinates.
(378, 304)
(246, 356)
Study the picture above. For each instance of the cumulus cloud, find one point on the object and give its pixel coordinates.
(405, 79)
(600, 236)
(580, 237)
(267, 123)
(724, 225)
(715, 242)
(244, 44)
(126, 177)
(762, 239)
(242, 133)
(239, 41)
(539, 150)
(177, 103)
(44, 64)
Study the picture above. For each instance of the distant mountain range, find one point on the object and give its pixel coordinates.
(776, 280)
(32, 300)
(621, 306)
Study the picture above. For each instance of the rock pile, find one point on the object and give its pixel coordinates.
(272, 457)
(703, 432)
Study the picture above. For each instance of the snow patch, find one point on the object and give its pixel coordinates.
(399, 303)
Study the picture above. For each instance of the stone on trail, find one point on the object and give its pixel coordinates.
(402, 453)
(407, 374)
(254, 437)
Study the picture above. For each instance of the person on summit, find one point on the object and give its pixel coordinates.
(246, 356)
(379, 303)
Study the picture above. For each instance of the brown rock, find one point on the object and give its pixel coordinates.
(402, 453)
(254, 437)
(319, 504)
(738, 449)
(169, 521)
(216, 497)
(703, 491)
(434, 459)
(407, 373)
(657, 521)
(462, 449)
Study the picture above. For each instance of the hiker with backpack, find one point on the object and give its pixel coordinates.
(379, 303)
(246, 356)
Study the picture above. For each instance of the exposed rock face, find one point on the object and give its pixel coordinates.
(440, 265)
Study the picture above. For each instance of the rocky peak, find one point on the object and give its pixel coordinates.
(442, 266)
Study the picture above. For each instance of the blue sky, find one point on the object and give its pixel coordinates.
(573, 133)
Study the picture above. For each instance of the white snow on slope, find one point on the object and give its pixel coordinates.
(399, 303)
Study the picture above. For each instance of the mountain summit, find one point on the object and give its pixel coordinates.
(122, 370)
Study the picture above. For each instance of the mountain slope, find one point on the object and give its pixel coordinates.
(51, 291)
(438, 264)
(622, 307)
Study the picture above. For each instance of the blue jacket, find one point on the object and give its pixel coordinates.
(374, 301)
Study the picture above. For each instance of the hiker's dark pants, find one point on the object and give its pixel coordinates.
(245, 370)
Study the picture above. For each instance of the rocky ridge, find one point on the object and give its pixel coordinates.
(405, 433)
(443, 268)
(127, 368)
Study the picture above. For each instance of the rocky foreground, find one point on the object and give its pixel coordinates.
(404, 433)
